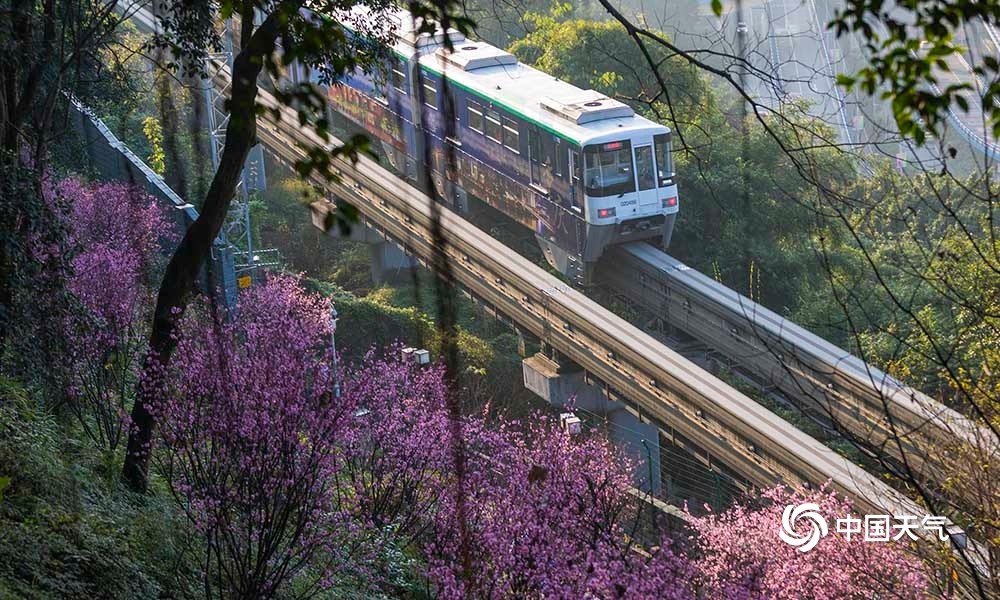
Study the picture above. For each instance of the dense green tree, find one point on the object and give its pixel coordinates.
(600, 55)
(47, 49)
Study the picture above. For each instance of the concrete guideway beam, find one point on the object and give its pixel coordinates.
(824, 378)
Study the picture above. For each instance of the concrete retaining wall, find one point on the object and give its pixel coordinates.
(111, 160)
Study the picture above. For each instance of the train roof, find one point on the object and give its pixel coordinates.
(581, 116)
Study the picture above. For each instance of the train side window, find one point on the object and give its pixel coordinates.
(511, 137)
(398, 76)
(380, 85)
(545, 156)
(430, 94)
(493, 128)
(378, 89)
(475, 117)
(574, 173)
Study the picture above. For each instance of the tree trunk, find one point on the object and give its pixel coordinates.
(189, 257)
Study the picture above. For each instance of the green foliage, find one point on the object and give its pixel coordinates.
(601, 55)
(748, 216)
(67, 530)
(281, 219)
(371, 315)
(377, 316)
(908, 46)
(155, 115)
(154, 135)
(380, 319)
(919, 279)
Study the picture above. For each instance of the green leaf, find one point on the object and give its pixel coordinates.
(845, 80)
(4, 484)
(347, 215)
(717, 7)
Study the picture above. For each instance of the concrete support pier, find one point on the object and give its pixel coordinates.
(388, 262)
(387, 259)
(562, 382)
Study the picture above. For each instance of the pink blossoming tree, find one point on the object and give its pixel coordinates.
(250, 430)
(395, 458)
(289, 483)
(114, 230)
(550, 517)
(740, 556)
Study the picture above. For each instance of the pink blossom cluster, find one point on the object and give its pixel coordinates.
(284, 479)
(545, 515)
(116, 215)
(535, 513)
(540, 513)
(113, 232)
(396, 460)
(396, 451)
(116, 229)
(740, 556)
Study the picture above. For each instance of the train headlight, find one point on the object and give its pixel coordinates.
(670, 202)
(604, 213)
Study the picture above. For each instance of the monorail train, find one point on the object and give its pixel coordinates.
(580, 169)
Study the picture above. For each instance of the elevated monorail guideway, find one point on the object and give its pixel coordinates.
(657, 383)
(661, 385)
(802, 365)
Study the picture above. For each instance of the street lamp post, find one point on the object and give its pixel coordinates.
(333, 347)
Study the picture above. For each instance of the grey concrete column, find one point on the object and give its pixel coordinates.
(388, 262)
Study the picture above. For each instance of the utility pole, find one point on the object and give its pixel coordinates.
(742, 30)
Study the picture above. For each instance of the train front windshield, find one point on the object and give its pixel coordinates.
(608, 169)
